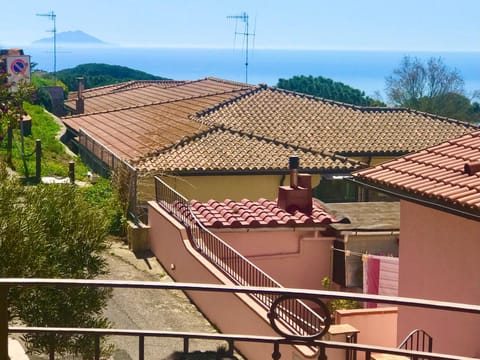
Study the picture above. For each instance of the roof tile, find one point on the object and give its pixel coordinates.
(227, 151)
(164, 126)
(437, 173)
(254, 214)
(325, 125)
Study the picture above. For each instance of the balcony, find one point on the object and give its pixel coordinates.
(285, 336)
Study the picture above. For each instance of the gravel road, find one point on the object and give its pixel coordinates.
(151, 309)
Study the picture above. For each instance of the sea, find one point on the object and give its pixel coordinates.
(364, 70)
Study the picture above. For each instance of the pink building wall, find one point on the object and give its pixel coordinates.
(291, 257)
(294, 257)
(439, 260)
(169, 242)
(377, 326)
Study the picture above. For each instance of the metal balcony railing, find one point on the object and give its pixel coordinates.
(418, 340)
(292, 313)
(231, 339)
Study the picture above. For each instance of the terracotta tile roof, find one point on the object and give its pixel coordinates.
(219, 150)
(324, 125)
(256, 214)
(107, 89)
(139, 126)
(132, 133)
(447, 174)
(129, 94)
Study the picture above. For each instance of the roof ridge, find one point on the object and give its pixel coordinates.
(296, 147)
(185, 140)
(227, 102)
(226, 81)
(123, 86)
(217, 127)
(146, 83)
(313, 97)
(374, 108)
(114, 86)
(160, 102)
(442, 118)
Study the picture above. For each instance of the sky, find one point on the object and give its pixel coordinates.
(406, 25)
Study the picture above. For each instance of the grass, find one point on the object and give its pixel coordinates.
(55, 160)
(55, 163)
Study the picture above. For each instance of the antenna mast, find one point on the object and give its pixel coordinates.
(244, 18)
(52, 16)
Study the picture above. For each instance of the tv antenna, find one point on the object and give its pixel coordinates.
(52, 16)
(243, 17)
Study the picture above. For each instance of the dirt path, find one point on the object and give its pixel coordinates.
(150, 309)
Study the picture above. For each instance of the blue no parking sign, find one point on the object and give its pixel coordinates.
(18, 68)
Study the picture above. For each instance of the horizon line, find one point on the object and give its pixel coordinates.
(218, 47)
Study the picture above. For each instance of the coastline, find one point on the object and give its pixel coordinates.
(362, 69)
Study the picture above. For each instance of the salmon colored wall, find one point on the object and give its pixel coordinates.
(295, 258)
(377, 326)
(439, 260)
(204, 188)
(168, 241)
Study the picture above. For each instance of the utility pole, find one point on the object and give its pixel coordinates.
(243, 17)
(51, 15)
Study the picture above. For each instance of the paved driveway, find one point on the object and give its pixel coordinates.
(151, 309)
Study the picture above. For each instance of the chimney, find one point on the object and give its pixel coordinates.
(297, 196)
(293, 163)
(80, 103)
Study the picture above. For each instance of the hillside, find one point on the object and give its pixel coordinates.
(102, 74)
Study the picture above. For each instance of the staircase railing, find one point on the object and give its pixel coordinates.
(299, 318)
(417, 340)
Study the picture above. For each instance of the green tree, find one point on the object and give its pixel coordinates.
(432, 87)
(11, 107)
(101, 74)
(327, 89)
(51, 231)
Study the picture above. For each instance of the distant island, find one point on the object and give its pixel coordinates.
(77, 37)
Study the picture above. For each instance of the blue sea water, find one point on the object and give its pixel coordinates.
(364, 70)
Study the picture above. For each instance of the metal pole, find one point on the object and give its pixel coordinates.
(54, 17)
(141, 347)
(97, 347)
(4, 322)
(71, 171)
(38, 159)
(276, 355)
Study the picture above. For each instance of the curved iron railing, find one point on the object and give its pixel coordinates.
(300, 319)
(369, 351)
(418, 340)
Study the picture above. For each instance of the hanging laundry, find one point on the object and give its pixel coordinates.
(380, 276)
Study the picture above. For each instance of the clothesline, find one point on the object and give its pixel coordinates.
(356, 253)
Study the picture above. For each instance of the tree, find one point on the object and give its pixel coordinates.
(11, 107)
(101, 74)
(431, 87)
(327, 89)
(51, 231)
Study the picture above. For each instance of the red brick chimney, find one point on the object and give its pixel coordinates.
(297, 196)
(80, 103)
